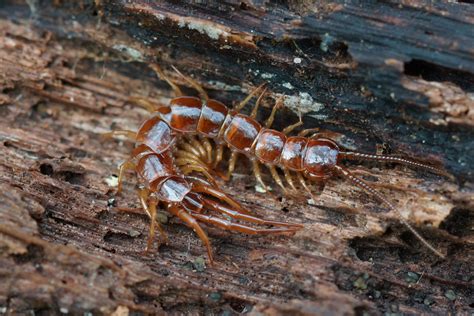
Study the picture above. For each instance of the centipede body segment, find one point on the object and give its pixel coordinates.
(181, 131)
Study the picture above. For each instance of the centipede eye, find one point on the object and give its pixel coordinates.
(320, 158)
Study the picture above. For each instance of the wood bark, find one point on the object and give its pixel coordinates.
(396, 78)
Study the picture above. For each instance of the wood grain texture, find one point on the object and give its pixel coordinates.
(388, 77)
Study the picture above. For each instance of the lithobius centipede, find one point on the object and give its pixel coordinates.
(175, 142)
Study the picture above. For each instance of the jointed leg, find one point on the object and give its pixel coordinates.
(190, 148)
(194, 84)
(253, 114)
(190, 221)
(291, 127)
(217, 207)
(289, 179)
(220, 196)
(207, 145)
(305, 186)
(225, 224)
(200, 148)
(151, 212)
(162, 76)
(258, 175)
(271, 118)
(126, 133)
(144, 103)
(232, 161)
(126, 165)
(308, 130)
(241, 105)
(219, 154)
(277, 178)
(189, 168)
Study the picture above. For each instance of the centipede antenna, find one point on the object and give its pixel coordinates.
(366, 187)
(194, 84)
(403, 161)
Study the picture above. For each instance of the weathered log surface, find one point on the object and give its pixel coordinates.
(391, 77)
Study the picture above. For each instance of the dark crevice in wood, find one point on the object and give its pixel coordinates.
(433, 72)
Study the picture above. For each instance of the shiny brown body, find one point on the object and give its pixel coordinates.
(313, 158)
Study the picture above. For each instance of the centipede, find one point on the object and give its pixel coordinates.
(188, 136)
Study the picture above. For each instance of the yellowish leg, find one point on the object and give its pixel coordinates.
(257, 104)
(186, 154)
(271, 118)
(189, 220)
(208, 146)
(126, 165)
(162, 76)
(144, 103)
(305, 186)
(219, 153)
(289, 179)
(258, 175)
(241, 105)
(200, 148)
(232, 161)
(290, 128)
(277, 178)
(126, 133)
(194, 84)
(151, 212)
(307, 131)
(190, 168)
(190, 148)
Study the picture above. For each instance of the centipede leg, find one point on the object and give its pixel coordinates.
(126, 133)
(199, 147)
(258, 175)
(241, 105)
(219, 195)
(207, 145)
(305, 186)
(232, 161)
(194, 84)
(191, 221)
(305, 132)
(151, 212)
(219, 155)
(190, 167)
(253, 114)
(289, 179)
(190, 148)
(126, 165)
(277, 178)
(144, 103)
(271, 118)
(225, 224)
(217, 207)
(177, 91)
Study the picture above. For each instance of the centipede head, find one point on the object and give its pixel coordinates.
(320, 158)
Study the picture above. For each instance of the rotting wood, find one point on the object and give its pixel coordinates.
(66, 77)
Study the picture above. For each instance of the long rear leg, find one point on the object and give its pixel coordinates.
(150, 210)
(126, 165)
(220, 208)
(218, 194)
(191, 222)
(228, 225)
(127, 133)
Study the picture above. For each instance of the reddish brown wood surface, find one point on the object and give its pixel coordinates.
(65, 77)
